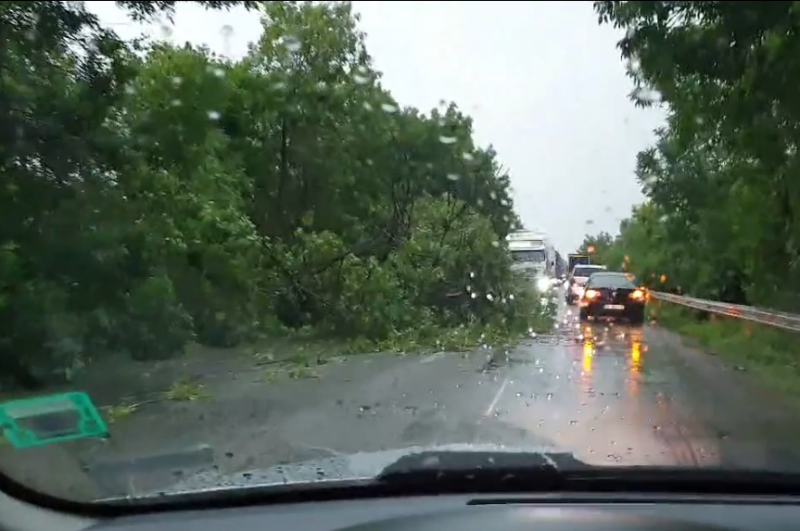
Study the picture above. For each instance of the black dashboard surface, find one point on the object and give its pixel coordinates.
(461, 513)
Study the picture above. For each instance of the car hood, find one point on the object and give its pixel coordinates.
(356, 466)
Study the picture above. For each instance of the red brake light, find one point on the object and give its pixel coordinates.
(590, 294)
(637, 295)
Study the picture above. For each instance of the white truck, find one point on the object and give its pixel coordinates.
(534, 255)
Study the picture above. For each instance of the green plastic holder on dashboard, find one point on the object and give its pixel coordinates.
(32, 422)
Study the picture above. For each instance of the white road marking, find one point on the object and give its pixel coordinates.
(432, 357)
(496, 398)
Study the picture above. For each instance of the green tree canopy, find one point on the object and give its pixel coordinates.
(155, 195)
(721, 216)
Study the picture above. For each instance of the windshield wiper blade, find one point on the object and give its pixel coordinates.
(497, 472)
(467, 471)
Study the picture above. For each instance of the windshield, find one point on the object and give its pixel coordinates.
(608, 280)
(586, 271)
(241, 237)
(529, 256)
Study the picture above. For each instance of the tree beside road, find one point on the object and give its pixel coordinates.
(720, 220)
(155, 196)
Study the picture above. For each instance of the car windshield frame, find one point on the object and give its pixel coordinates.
(593, 280)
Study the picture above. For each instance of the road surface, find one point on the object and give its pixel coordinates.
(613, 395)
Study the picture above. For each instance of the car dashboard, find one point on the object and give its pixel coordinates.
(542, 512)
(460, 513)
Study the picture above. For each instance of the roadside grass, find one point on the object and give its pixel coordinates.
(772, 355)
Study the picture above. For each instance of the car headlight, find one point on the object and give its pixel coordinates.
(542, 284)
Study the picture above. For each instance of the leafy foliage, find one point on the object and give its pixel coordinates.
(722, 216)
(597, 244)
(155, 195)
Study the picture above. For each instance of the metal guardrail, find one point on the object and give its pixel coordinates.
(774, 318)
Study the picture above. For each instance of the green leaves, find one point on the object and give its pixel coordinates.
(722, 212)
(164, 195)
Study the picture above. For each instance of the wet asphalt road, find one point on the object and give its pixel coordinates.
(611, 394)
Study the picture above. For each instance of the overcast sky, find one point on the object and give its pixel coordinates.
(542, 80)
